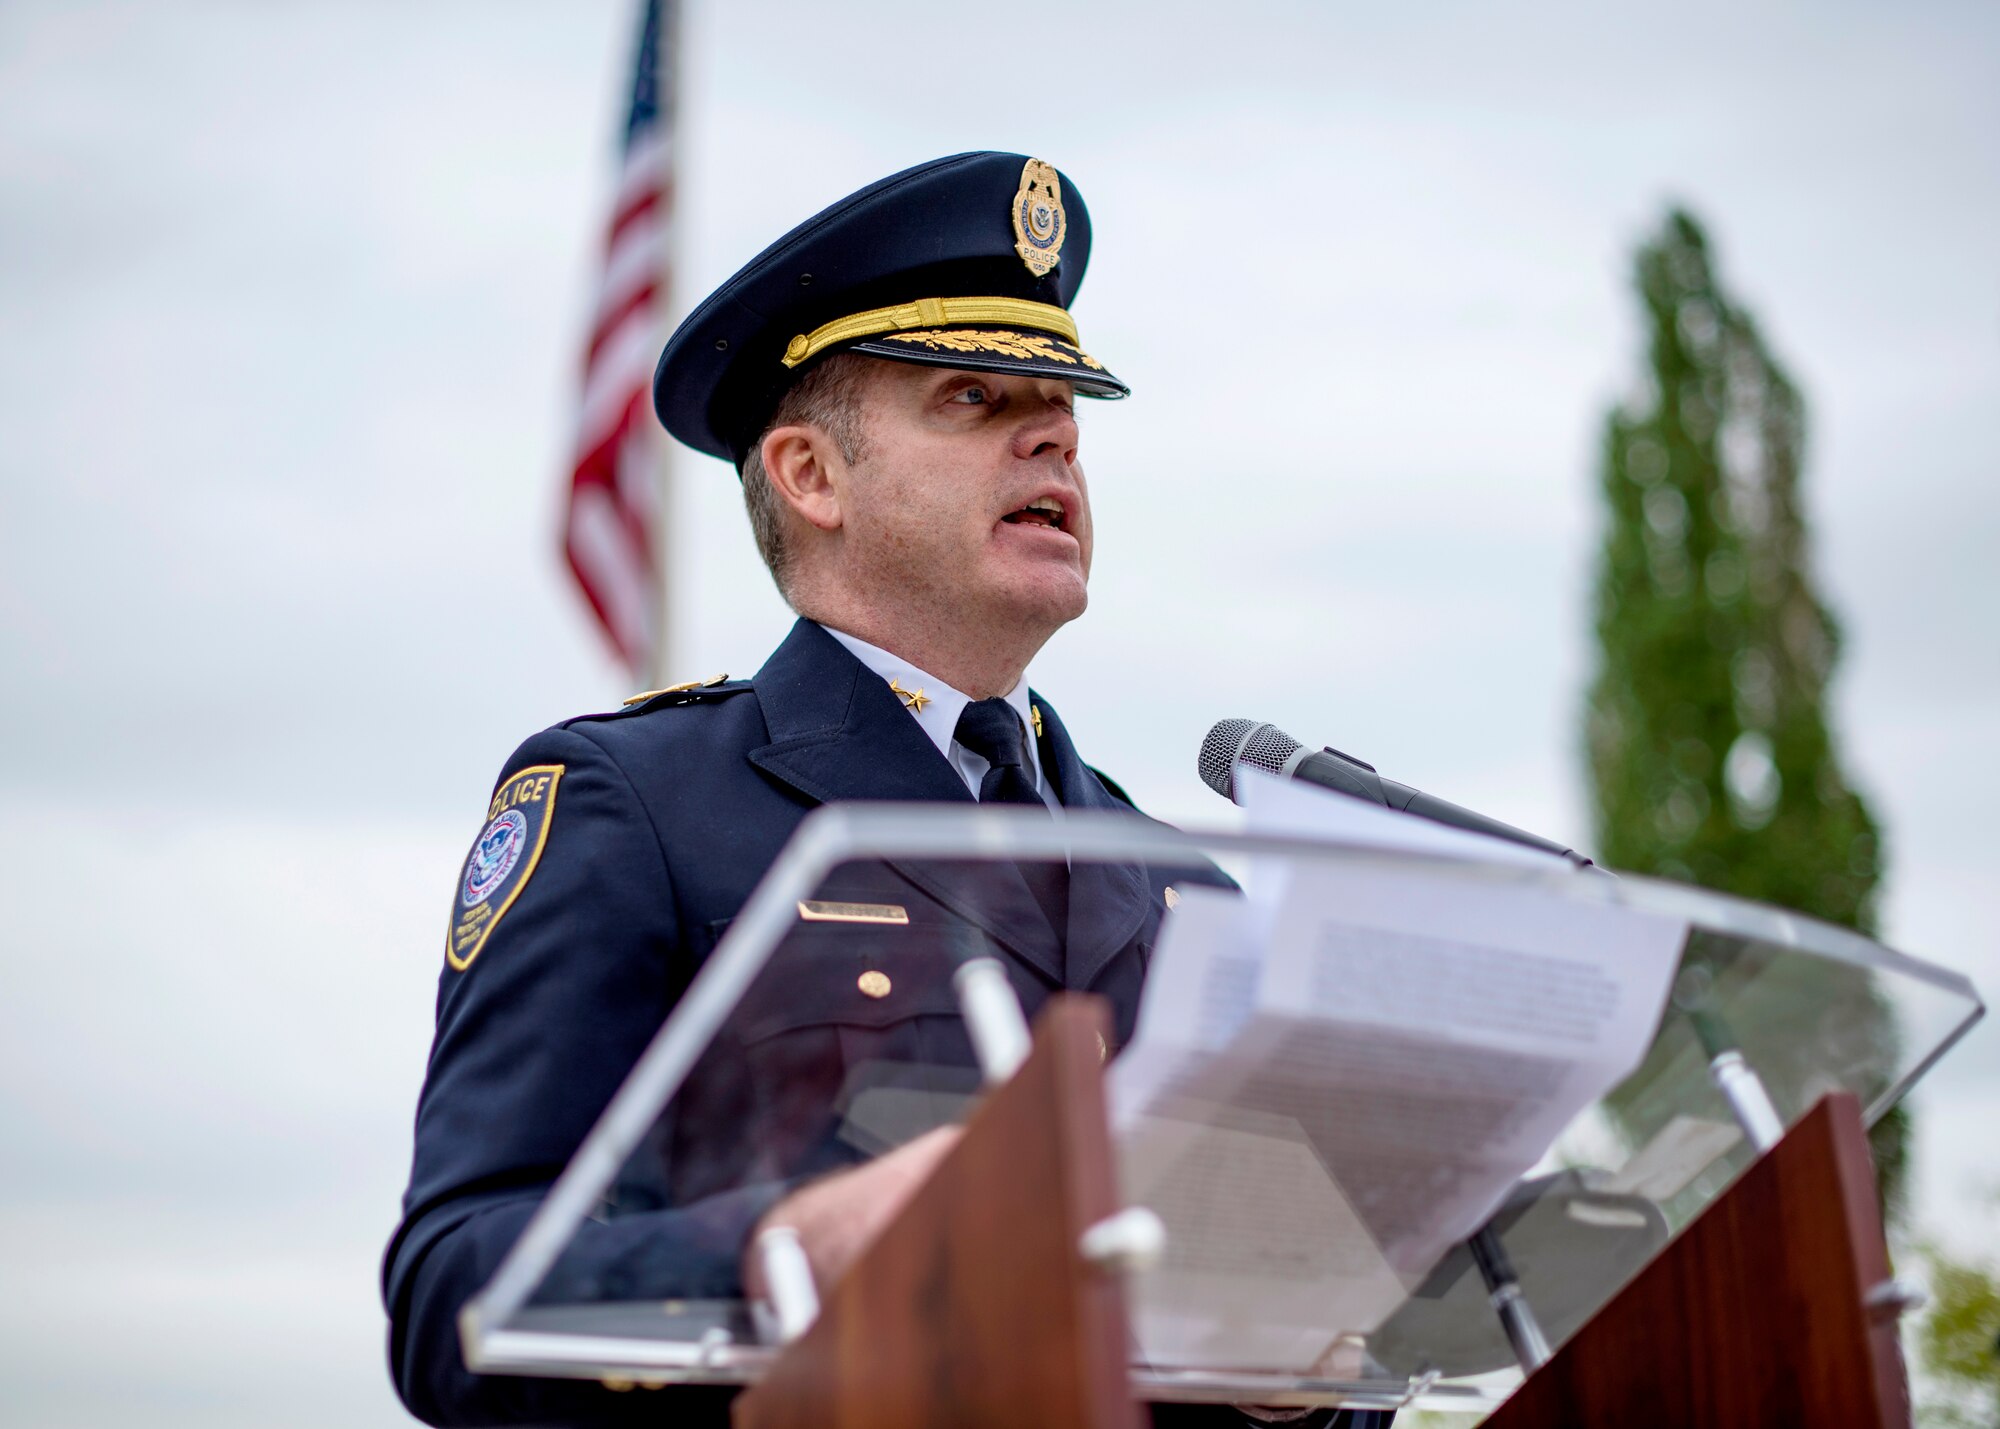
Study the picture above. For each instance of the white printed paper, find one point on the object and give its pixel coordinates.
(1339, 1076)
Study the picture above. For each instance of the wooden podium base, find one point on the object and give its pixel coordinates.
(975, 1307)
(1755, 1317)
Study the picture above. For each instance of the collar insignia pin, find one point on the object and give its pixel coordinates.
(1039, 222)
(913, 700)
(1035, 718)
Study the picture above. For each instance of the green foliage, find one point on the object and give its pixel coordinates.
(1709, 745)
(1958, 1343)
(1710, 756)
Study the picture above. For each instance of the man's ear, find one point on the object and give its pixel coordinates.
(806, 467)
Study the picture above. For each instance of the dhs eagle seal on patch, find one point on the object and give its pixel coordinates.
(494, 856)
(1039, 222)
(502, 859)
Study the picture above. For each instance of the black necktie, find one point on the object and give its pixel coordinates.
(991, 730)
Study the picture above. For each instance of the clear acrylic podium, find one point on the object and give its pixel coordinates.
(828, 1024)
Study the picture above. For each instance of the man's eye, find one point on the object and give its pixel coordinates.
(971, 396)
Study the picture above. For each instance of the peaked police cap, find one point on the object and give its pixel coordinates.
(969, 262)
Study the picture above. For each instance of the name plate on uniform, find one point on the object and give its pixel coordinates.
(813, 912)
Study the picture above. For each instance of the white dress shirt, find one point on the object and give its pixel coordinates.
(942, 705)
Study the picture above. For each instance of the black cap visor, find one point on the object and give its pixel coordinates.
(978, 348)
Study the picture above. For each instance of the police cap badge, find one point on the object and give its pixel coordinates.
(969, 261)
(1038, 217)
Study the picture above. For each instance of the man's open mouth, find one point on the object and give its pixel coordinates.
(1042, 511)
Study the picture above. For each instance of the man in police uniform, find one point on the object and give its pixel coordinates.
(895, 382)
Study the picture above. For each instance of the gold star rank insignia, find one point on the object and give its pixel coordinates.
(913, 700)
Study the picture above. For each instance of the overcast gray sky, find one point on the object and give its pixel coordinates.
(291, 300)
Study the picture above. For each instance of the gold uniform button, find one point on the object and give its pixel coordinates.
(873, 984)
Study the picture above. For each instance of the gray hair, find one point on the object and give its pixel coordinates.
(827, 397)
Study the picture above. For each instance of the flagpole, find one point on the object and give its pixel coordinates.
(662, 664)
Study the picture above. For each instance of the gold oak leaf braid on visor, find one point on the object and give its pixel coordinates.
(930, 312)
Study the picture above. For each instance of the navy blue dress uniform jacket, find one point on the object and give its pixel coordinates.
(661, 820)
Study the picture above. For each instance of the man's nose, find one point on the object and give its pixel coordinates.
(1047, 427)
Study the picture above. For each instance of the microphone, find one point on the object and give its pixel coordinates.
(1236, 742)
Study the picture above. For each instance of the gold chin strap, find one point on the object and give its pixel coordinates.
(931, 312)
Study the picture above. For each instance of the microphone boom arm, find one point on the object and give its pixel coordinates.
(1236, 742)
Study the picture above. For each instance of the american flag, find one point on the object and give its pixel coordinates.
(611, 528)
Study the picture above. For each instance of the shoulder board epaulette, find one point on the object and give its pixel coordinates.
(693, 692)
(1117, 789)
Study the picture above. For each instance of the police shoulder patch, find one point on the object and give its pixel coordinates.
(502, 859)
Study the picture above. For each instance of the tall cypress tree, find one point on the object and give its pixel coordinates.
(1711, 760)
